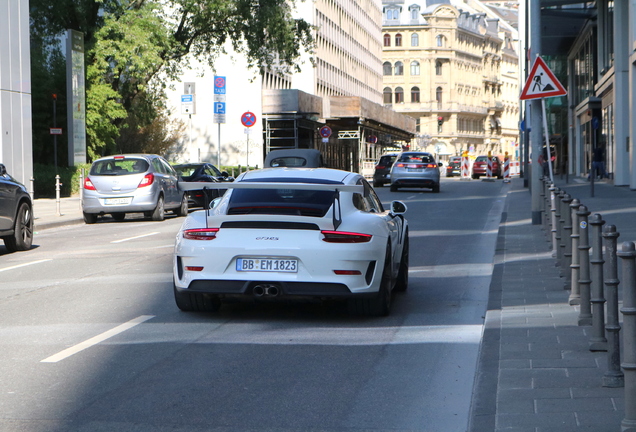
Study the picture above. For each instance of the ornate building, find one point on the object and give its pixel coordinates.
(452, 65)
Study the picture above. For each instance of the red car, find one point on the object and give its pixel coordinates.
(481, 165)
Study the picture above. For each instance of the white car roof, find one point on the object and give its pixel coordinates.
(289, 174)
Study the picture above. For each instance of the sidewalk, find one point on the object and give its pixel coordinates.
(535, 371)
(46, 213)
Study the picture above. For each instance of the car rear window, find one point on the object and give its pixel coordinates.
(481, 159)
(387, 160)
(282, 201)
(185, 171)
(289, 161)
(122, 166)
(417, 158)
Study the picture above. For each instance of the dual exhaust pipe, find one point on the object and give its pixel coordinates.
(266, 290)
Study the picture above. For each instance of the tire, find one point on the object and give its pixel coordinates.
(22, 237)
(436, 188)
(159, 213)
(183, 208)
(394, 187)
(377, 184)
(90, 218)
(475, 176)
(402, 280)
(195, 302)
(379, 304)
(118, 216)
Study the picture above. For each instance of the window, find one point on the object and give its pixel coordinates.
(415, 12)
(399, 95)
(438, 67)
(393, 14)
(440, 40)
(399, 68)
(387, 93)
(438, 97)
(398, 39)
(387, 68)
(415, 94)
(415, 68)
(387, 40)
(415, 39)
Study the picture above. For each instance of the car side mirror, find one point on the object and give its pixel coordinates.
(225, 174)
(3, 170)
(440, 164)
(398, 207)
(215, 202)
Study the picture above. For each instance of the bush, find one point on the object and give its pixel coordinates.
(44, 180)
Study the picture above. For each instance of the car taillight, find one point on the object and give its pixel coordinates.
(147, 180)
(347, 272)
(431, 166)
(345, 237)
(379, 167)
(88, 184)
(200, 233)
(410, 165)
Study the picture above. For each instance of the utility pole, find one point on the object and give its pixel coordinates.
(535, 117)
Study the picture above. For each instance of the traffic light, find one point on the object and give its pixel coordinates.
(440, 121)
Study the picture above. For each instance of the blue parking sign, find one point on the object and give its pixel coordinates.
(219, 107)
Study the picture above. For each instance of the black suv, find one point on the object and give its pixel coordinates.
(16, 213)
(454, 166)
(382, 173)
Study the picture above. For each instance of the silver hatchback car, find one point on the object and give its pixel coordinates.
(415, 169)
(132, 183)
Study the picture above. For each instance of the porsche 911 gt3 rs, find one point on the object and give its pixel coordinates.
(293, 234)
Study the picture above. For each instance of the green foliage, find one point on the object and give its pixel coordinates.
(44, 180)
(134, 47)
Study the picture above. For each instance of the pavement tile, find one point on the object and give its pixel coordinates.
(591, 405)
(562, 420)
(534, 394)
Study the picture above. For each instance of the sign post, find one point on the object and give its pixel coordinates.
(219, 117)
(248, 119)
(541, 84)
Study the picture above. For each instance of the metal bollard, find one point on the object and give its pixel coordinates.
(560, 221)
(57, 194)
(628, 256)
(575, 292)
(585, 311)
(614, 375)
(553, 219)
(598, 342)
(567, 240)
(543, 203)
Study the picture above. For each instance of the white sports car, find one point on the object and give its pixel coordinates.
(293, 234)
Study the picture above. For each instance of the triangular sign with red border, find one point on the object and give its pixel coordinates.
(541, 83)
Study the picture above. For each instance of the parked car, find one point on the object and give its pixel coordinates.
(132, 183)
(293, 234)
(454, 167)
(16, 213)
(415, 169)
(382, 173)
(202, 172)
(294, 158)
(481, 165)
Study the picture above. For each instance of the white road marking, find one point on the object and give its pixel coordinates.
(97, 339)
(24, 265)
(134, 238)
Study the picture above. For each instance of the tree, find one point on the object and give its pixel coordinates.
(133, 47)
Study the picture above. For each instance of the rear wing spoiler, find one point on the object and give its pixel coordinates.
(188, 186)
(337, 217)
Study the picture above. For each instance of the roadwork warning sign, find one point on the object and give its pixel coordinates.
(542, 83)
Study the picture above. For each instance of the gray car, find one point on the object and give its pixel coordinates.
(132, 183)
(415, 169)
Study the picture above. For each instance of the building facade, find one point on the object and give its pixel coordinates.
(452, 66)
(16, 146)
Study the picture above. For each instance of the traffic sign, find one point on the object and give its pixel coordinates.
(325, 131)
(541, 83)
(187, 104)
(219, 85)
(219, 107)
(248, 119)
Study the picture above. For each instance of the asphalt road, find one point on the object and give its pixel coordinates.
(90, 338)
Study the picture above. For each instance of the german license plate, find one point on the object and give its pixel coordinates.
(414, 170)
(117, 201)
(267, 265)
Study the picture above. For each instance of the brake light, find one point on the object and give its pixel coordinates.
(345, 237)
(194, 268)
(88, 184)
(119, 157)
(431, 166)
(347, 272)
(147, 180)
(379, 167)
(200, 233)
(410, 165)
